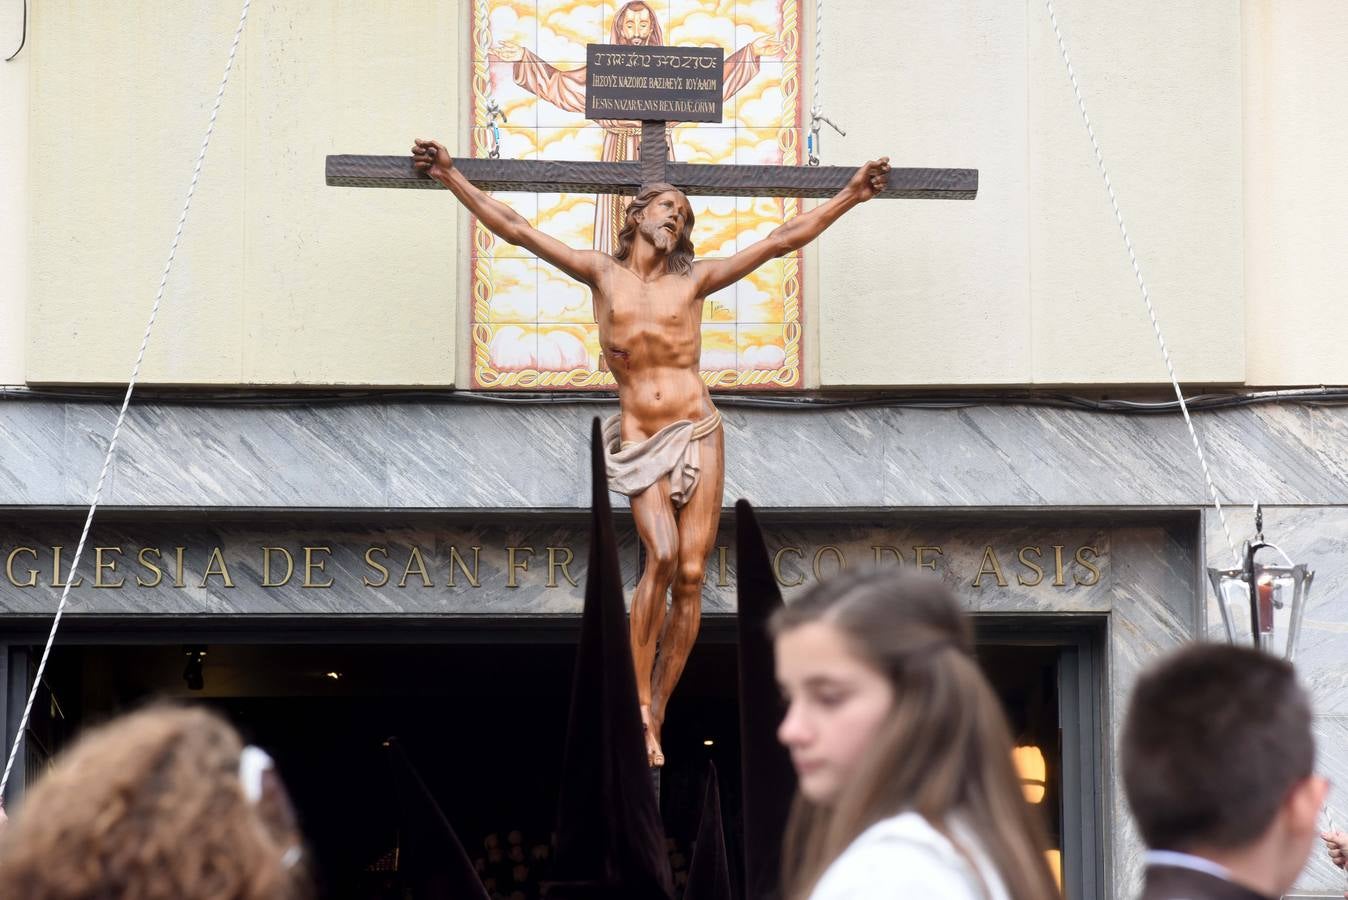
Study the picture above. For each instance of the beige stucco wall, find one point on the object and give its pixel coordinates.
(1217, 120)
(279, 279)
(926, 291)
(1296, 207)
(1162, 80)
(1030, 283)
(13, 196)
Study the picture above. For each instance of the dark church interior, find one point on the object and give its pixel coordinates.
(483, 722)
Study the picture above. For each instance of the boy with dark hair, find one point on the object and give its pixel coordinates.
(1218, 765)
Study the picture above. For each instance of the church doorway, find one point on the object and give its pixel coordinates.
(481, 710)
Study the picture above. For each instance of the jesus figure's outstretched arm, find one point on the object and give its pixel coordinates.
(502, 221)
(714, 274)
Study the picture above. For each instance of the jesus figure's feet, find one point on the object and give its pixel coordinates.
(650, 727)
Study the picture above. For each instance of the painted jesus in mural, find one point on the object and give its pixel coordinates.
(665, 448)
(635, 23)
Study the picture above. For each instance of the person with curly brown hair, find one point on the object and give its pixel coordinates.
(161, 804)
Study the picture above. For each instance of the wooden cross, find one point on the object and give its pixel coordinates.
(592, 177)
(612, 70)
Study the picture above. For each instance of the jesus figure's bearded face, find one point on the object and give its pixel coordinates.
(665, 220)
(660, 216)
(637, 26)
(662, 236)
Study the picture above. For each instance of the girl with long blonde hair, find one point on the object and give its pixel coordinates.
(907, 787)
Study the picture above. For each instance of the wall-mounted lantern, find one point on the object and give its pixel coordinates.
(1262, 602)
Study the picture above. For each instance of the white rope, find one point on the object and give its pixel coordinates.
(816, 95)
(813, 143)
(126, 400)
(1142, 285)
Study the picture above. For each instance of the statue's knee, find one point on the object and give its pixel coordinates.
(690, 575)
(663, 561)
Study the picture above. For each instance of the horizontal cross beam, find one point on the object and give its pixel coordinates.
(818, 181)
(589, 177)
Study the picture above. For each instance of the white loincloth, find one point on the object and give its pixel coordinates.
(674, 450)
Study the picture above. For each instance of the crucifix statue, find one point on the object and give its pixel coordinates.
(665, 447)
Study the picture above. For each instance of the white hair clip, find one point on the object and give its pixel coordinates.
(253, 762)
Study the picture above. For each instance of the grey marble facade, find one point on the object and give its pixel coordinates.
(486, 474)
(484, 455)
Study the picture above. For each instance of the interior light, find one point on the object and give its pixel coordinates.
(708, 742)
(333, 675)
(1033, 771)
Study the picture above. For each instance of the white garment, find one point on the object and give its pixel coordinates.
(904, 858)
(673, 451)
(1178, 860)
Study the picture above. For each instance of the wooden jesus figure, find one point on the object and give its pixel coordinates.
(665, 448)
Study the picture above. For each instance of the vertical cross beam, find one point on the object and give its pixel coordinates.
(654, 152)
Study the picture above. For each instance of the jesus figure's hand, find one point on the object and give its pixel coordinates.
(429, 158)
(869, 180)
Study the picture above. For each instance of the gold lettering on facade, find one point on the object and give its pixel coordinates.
(216, 566)
(56, 581)
(1058, 580)
(456, 560)
(311, 565)
(989, 566)
(383, 570)
(920, 556)
(9, 567)
(777, 566)
(1032, 565)
(513, 565)
(158, 572)
(415, 562)
(266, 566)
(1094, 577)
(837, 555)
(554, 565)
(110, 566)
(879, 551)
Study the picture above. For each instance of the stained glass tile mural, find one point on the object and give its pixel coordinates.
(532, 327)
